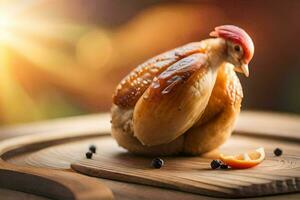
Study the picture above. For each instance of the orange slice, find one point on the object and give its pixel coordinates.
(246, 160)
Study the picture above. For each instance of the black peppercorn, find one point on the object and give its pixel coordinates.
(223, 166)
(277, 152)
(215, 164)
(157, 163)
(89, 155)
(92, 148)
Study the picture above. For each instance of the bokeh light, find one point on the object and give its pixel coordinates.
(64, 57)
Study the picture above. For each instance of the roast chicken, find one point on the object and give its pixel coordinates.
(185, 100)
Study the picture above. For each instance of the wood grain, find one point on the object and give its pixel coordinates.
(269, 124)
(48, 182)
(54, 147)
(193, 174)
(277, 174)
(52, 183)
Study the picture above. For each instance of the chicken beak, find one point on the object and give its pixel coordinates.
(243, 69)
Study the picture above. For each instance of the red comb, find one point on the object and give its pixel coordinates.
(237, 35)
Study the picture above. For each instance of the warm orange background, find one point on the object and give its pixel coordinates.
(64, 57)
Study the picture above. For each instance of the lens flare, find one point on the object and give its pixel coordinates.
(3, 22)
(30, 38)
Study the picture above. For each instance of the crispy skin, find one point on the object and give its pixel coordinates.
(220, 115)
(122, 131)
(132, 87)
(174, 102)
(215, 121)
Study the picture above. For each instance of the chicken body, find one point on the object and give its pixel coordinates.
(185, 100)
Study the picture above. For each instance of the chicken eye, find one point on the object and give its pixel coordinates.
(237, 48)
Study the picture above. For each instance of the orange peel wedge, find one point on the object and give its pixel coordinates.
(245, 160)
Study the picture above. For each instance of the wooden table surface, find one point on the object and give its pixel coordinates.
(287, 125)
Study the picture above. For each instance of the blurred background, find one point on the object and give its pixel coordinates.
(65, 57)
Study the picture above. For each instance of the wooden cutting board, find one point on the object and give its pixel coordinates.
(55, 152)
(193, 174)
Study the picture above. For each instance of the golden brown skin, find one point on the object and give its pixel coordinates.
(122, 131)
(135, 84)
(220, 115)
(174, 101)
(205, 130)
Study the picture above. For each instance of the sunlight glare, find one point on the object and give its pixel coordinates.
(3, 22)
(34, 40)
